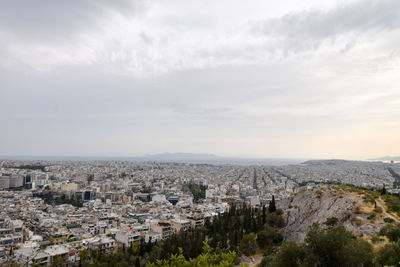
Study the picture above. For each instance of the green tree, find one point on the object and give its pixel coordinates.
(264, 218)
(331, 221)
(207, 258)
(389, 255)
(272, 206)
(83, 255)
(265, 238)
(289, 255)
(248, 244)
(391, 231)
(58, 261)
(329, 247)
(275, 220)
(337, 247)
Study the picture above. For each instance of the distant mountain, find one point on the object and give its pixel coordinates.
(182, 156)
(168, 157)
(388, 158)
(213, 159)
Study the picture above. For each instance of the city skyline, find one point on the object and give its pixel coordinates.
(237, 79)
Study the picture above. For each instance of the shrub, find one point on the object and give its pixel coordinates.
(391, 231)
(334, 246)
(275, 220)
(248, 244)
(357, 210)
(332, 221)
(388, 220)
(265, 238)
(319, 193)
(378, 210)
(377, 239)
(389, 255)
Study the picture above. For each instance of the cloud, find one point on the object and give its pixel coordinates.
(109, 77)
(48, 20)
(310, 29)
(142, 39)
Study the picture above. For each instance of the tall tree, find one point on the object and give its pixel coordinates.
(272, 206)
(264, 218)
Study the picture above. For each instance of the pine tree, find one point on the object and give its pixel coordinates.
(264, 219)
(272, 206)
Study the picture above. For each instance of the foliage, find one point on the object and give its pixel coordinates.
(57, 261)
(266, 237)
(332, 221)
(226, 232)
(73, 202)
(334, 246)
(198, 191)
(31, 167)
(357, 210)
(248, 244)
(388, 220)
(389, 255)
(275, 220)
(207, 258)
(393, 203)
(377, 239)
(90, 178)
(272, 205)
(378, 210)
(83, 255)
(49, 198)
(391, 231)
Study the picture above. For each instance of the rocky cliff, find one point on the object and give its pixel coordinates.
(320, 203)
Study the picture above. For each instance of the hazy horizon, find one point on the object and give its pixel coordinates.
(289, 79)
(179, 155)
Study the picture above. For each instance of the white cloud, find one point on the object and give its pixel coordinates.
(223, 77)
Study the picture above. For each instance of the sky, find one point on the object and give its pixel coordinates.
(269, 79)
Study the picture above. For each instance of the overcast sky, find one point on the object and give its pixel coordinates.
(288, 78)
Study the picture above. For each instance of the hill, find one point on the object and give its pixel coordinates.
(361, 211)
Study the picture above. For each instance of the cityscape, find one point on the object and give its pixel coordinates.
(199, 133)
(66, 206)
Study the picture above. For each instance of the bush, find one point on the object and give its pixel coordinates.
(393, 203)
(207, 258)
(290, 254)
(275, 220)
(319, 193)
(378, 210)
(329, 247)
(377, 239)
(279, 212)
(389, 255)
(391, 231)
(332, 221)
(265, 238)
(388, 220)
(357, 210)
(248, 244)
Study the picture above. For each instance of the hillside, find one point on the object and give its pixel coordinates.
(351, 207)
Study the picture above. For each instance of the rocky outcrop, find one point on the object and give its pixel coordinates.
(317, 205)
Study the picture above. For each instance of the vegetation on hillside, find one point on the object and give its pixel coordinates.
(333, 246)
(241, 230)
(207, 258)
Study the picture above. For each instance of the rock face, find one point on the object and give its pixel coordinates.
(317, 205)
